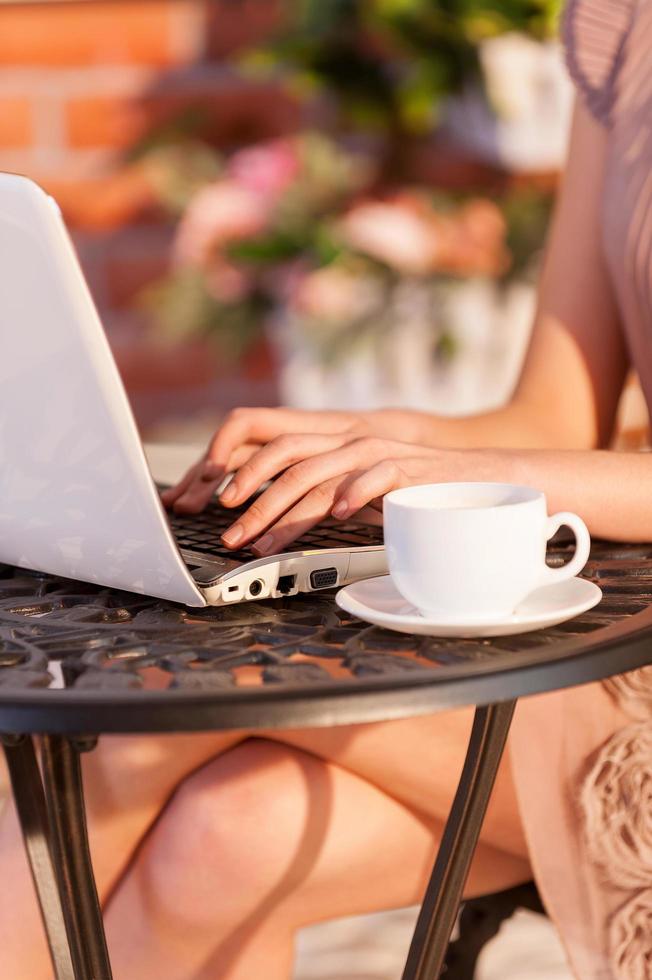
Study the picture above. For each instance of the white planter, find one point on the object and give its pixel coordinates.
(397, 367)
(522, 119)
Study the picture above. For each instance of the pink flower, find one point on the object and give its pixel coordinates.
(218, 214)
(408, 235)
(393, 232)
(336, 294)
(269, 168)
(227, 282)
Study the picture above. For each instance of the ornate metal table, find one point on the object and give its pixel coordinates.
(77, 661)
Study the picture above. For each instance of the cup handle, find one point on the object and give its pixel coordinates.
(582, 546)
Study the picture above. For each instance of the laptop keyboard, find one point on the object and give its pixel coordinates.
(201, 533)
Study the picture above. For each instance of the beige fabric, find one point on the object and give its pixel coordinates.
(553, 742)
(583, 758)
(634, 692)
(582, 763)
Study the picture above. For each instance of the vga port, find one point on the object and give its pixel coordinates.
(323, 578)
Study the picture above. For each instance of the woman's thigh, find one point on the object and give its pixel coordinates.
(418, 761)
(271, 837)
(128, 780)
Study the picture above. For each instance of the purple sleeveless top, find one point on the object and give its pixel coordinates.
(609, 55)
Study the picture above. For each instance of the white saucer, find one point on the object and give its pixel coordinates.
(377, 601)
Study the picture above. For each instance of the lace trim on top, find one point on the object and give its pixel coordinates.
(616, 807)
(629, 937)
(616, 802)
(633, 692)
(594, 33)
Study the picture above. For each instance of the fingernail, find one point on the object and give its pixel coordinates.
(340, 508)
(233, 535)
(229, 493)
(212, 472)
(264, 544)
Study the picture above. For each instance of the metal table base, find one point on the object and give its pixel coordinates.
(50, 805)
(444, 892)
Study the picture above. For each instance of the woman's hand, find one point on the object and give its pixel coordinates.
(335, 478)
(342, 482)
(246, 431)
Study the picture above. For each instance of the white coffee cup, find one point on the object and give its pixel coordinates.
(467, 552)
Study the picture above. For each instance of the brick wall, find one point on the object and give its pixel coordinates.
(80, 82)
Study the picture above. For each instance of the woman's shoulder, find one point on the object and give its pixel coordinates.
(594, 33)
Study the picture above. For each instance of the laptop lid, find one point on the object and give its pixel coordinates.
(76, 495)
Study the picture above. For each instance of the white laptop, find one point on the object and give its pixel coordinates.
(76, 496)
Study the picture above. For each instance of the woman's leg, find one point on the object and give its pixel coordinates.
(266, 839)
(127, 782)
(418, 761)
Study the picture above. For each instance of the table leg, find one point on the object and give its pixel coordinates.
(64, 792)
(444, 892)
(32, 813)
(52, 818)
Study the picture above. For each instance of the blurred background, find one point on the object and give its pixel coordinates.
(324, 203)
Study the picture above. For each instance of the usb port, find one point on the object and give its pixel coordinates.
(322, 578)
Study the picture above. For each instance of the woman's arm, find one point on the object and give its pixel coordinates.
(577, 361)
(610, 490)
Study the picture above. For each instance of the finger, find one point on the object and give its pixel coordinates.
(360, 490)
(288, 489)
(273, 459)
(252, 425)
(240, 456)
(196, 497)
(310, 510)
(198, 492)
(172, 493)
(264, 424)
(241, 426)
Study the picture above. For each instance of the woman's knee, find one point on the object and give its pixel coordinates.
(131, 770)
(242, 827)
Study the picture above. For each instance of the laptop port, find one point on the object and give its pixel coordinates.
(322, 578)
(285, 583)
(255, 588)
